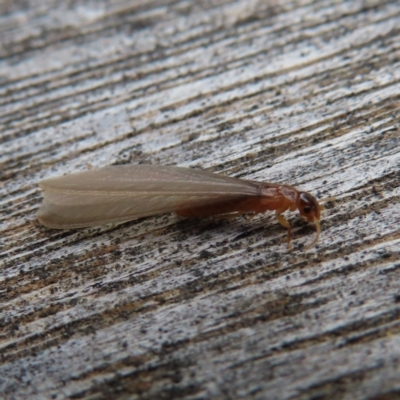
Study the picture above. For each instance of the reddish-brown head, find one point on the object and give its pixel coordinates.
(310, 209)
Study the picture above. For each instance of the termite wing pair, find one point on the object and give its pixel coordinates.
(125, 192)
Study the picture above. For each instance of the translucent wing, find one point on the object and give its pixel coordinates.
(122, 193)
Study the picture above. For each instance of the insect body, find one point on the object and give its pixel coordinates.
(122, 193)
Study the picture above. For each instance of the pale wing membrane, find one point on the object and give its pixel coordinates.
(122, 193)
(147, 178)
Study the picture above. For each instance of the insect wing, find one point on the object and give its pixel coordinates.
(122, 193)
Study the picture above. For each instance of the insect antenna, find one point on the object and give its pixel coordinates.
(318, 229)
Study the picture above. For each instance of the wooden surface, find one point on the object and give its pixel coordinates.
(301, 92)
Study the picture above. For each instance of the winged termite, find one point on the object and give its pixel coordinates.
(126, 192)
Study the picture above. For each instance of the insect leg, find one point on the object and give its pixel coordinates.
(281, 219)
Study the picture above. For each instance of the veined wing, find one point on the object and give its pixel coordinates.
(122, 193)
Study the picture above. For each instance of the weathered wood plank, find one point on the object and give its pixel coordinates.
(302, 92)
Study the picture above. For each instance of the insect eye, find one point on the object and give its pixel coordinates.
(307, 209)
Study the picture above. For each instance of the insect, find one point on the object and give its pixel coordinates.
(125, 192)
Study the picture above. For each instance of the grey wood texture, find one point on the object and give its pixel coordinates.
(300, 92)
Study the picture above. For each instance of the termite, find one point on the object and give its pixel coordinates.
(125, 192)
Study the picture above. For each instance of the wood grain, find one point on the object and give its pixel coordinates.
(301, 92)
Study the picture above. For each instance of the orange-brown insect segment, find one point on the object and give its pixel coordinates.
(288, 198)
(273, 197)
(126, 192)
(310, 209)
